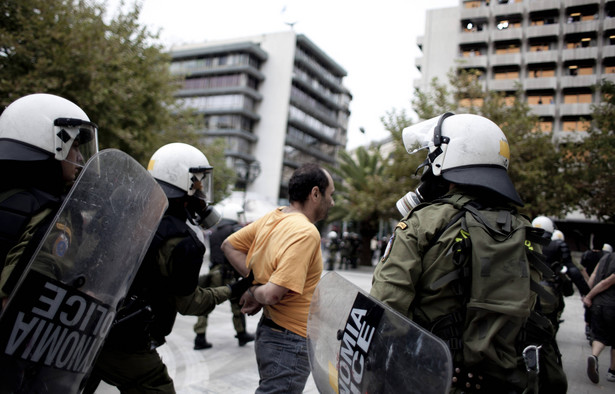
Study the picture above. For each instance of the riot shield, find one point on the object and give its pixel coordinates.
(357, 344)
(62, 307)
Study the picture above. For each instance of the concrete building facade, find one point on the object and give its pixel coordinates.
(277, 99)
(555, 50)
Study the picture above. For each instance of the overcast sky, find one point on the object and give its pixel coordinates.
(374, 41)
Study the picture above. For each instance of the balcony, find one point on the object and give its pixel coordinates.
(543, 110)
(473, 13)
(473, 37)
(580, 53)
(543, 31)
(539, 83)
(506, 59)
(608, 23)
(514, 33)
(543, 5)
(541, 57)
(581, 27)
(609, 77)
(418, 63)
(508, 9)
(572, 3)
(503, 84)
(578, 81)
(579, 109)
(608, 51)
(472, 62)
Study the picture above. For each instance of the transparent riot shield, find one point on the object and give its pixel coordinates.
(62, 307)
(357, 344)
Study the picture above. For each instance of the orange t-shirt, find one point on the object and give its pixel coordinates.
(284, 248)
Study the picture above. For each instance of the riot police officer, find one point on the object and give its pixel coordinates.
(44, 142)
(167, 279)
(431, 268)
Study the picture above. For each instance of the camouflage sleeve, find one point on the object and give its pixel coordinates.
(202, 300)
(398, 271)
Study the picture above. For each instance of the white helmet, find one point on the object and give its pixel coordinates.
(557, 235)
(332, 234)
(465, 149)
(232, 212)
(40, 126)
(607, 248)
(182, 169)
(544, 223)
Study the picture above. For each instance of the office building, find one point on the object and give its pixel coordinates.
(277, 99)
(555, 50)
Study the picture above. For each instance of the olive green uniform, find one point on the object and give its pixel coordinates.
(167, 281)
(218, 276)
(413, 261)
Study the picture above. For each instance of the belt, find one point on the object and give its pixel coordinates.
(270, 323)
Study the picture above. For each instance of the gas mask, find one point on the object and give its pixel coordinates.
(430, 188)
(201, 214)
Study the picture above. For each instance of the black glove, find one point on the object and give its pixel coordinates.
(240, 286)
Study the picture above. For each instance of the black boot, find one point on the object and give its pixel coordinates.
(201, 343)
(243, 338)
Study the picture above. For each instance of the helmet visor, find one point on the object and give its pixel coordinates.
(202, 183)
(418, 137)
(75, 133)
(424, 134)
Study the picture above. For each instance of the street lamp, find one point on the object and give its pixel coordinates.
(247, 171)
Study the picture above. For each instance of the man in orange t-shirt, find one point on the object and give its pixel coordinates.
(282, 249)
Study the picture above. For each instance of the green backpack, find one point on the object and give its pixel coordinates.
(498, 270)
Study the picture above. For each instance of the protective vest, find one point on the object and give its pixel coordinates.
(170, 268)
(497, 270)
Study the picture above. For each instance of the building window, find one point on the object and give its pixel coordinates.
(570, 125)
(540, 100)
(577, 98)
(472, 4)
(218, 81)
(471, 102)
(575, 69)
(504, 48)
(309, 101)
(546, 126)
(544, 72)
(506, 74)
(298, 115)
(225, 101)
(473, 26)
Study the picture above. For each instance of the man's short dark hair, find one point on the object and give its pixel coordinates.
(304, 179)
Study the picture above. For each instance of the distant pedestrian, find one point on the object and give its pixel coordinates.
(589, 260)
(601, 301)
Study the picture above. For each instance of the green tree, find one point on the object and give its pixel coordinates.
(589, 163)
(371, 184)
(115, 71)
(359, 195)
(400, 167)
